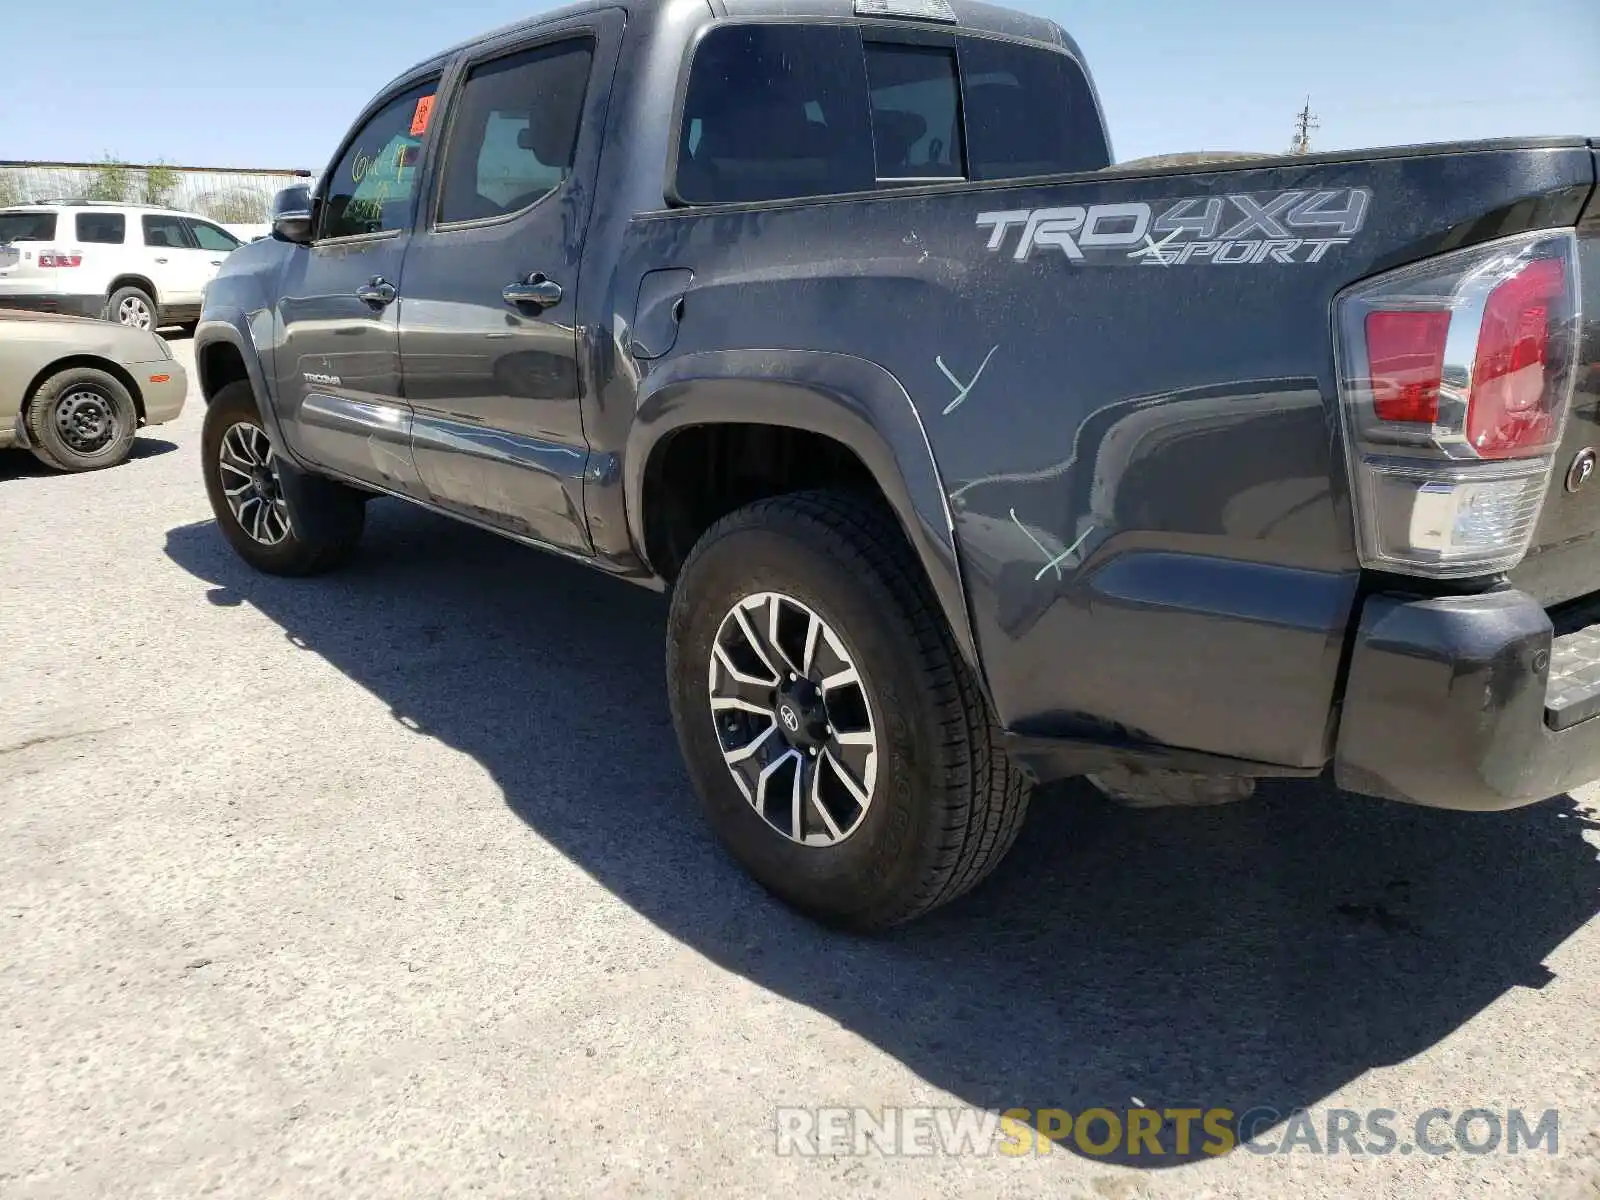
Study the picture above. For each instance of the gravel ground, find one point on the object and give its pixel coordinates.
(390, 884)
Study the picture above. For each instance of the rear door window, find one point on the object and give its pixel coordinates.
(163, 231)
(515, 131)
(27, 226)
(107, 229)
(916, 112)
(775, 112)
(1029, 111)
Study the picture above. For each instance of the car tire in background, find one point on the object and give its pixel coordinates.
(842, 748)
(280, 521)
(132, 306)
(82, 419)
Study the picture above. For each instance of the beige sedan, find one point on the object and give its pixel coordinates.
(74, 390)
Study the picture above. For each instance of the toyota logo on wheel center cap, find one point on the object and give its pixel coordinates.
(790, 719)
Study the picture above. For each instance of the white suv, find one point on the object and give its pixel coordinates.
(129, 263)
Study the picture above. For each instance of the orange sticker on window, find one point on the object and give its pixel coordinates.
(419, 119)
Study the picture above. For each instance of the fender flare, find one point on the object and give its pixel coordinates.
(853, 401)
(231, 325)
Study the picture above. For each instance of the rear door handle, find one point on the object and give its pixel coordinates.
(536, 290)
(161, 260)
(378, 291)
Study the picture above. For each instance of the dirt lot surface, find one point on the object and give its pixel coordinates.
(390, 884)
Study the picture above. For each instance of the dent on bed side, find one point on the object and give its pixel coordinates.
(1180, 569)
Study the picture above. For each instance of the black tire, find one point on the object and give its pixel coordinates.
(127, 301)
(324, 519)
(947, 803)
(81, 419)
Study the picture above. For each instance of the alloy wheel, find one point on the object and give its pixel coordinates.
(793, 719)
(250, 483)
(135, 312)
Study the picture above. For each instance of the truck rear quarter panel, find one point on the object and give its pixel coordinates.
(1138, 446)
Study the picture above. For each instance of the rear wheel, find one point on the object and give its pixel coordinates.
(836, 737)
(133, 307)
(256, 511)
(81, 419)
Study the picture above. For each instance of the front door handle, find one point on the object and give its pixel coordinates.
(378, 291)
(535, 290)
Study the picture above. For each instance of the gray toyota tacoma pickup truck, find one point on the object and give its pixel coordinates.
(970, 459)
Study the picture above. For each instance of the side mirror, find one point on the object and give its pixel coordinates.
(291, 215)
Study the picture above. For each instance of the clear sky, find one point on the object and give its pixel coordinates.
(274, 83)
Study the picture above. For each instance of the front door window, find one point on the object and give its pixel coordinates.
(372, 188)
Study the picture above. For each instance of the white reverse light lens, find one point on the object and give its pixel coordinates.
(1452, 523)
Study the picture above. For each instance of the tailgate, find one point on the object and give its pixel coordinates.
(22, 234)
(1564, 562)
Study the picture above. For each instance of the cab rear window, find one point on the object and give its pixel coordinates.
(775, 112)
(27, 226)
(1029, 112)
(916, 112)
(785, 111)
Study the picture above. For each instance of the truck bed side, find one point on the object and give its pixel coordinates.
(1135, 436)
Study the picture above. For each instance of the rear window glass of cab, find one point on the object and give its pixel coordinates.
(788, 110)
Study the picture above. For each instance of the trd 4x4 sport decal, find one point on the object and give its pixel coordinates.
(1233, 230)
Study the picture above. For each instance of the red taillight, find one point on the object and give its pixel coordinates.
(1455, 376)
(1405, 352)
(54, 258)
(1508, 413)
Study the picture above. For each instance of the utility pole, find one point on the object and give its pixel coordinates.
(1305, 121)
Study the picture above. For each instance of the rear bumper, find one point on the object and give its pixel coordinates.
(1446, 704)
(57, 302)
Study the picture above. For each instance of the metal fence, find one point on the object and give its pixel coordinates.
(227, 196)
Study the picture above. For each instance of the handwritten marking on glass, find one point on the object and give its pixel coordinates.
(962, 390)
(1055, 561)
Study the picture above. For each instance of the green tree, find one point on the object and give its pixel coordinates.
(160, 182)
(10, 190)
(237, 206)
(111, 181)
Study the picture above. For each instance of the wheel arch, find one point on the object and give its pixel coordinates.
(225, 353)
(219, 362)
(133, 279)
(93, 362)
(853, 404)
